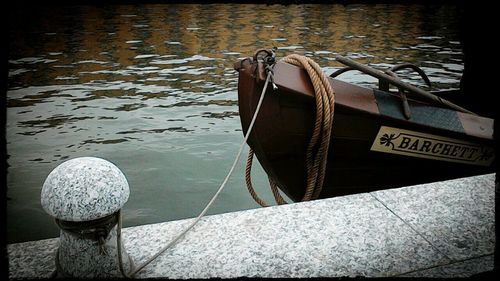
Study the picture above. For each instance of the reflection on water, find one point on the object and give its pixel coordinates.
(151, 88)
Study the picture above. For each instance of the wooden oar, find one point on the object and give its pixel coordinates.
(380, 75)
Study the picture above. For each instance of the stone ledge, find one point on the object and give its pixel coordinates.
(430, 230)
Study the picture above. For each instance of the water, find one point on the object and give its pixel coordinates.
(152, 89)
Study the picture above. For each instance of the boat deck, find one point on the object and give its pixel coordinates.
(442, 229)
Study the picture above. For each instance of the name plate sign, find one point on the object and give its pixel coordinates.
(422, 145)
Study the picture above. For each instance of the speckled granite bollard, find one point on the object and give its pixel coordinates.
(84, 195)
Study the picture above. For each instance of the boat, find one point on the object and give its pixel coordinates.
(380, 138)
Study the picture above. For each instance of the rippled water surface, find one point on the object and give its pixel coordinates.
(151, 88)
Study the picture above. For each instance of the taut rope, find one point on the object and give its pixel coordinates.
(135, 270)
(317, 150)
(316, 154)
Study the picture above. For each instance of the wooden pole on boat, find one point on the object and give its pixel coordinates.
(380, 75)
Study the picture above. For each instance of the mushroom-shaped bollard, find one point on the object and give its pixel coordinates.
(85, 196)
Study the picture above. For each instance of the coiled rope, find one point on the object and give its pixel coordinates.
(274, 188)
(317, 149)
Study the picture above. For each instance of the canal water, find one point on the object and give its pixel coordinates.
(152, 89)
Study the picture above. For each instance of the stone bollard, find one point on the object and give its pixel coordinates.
(85, 196)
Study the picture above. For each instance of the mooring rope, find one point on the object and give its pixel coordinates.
(317, 149)
(316, 158)
(197, 219)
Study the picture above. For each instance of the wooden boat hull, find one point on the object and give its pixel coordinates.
(365, 123)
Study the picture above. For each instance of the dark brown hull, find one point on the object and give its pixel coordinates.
(284, 126)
